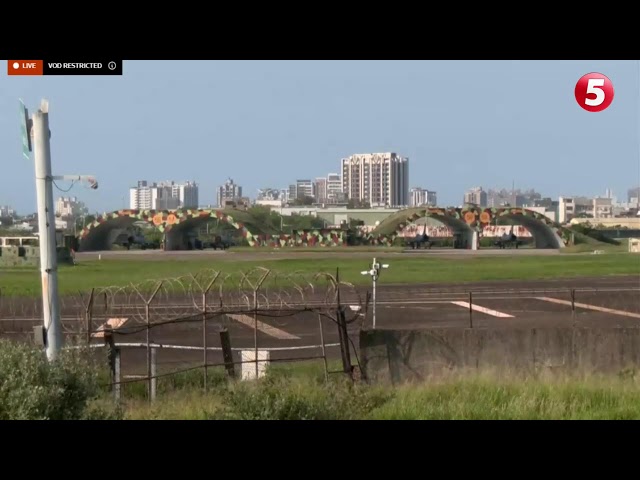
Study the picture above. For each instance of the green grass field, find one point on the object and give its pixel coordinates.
(405, 269)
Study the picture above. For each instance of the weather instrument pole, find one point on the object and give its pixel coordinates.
(375, 274)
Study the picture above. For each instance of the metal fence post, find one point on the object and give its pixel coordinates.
(154, 373)
(111, 358)
(89, 316)
(324, 348)
(227, 353)
(573, 301)
(147, 313)
(205, 357)
(343, 333)
(117, 375)
(255, 317)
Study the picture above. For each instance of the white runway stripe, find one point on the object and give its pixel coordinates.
(263, 327)
(590, 307)
(113, 323)
(488, 311)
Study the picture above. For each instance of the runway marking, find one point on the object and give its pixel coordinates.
(114, 323)
(488, 311)
(590, 307)
(263, 327)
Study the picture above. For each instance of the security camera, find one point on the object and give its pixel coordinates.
(94, 185)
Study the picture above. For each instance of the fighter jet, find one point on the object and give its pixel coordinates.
(420, 239)
(507, 239)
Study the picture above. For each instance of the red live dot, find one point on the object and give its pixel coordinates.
(594, 92)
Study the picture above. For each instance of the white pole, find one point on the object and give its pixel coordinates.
(47, 231)
(375, 274)
(374, 302)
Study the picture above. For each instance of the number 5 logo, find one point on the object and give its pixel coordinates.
(594, 92)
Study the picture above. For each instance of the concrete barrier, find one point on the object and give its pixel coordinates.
(29, 256)
(400, 356)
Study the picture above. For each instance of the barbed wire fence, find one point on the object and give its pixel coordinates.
(246, 320)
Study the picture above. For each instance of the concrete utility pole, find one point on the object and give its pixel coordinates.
(47, 231)
(36, 137)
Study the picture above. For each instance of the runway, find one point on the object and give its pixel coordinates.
(288, 331)
(296, 253)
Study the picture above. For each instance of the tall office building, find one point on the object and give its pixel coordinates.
(381, 179)
(228, 192)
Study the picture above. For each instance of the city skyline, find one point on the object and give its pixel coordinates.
(275, 122)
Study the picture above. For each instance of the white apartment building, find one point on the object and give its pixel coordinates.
(163, 196)
(381, 179)
(477, 196)
(140, 196)
(304, 188)
(69, 207)
(574, 207)
(423, 197)
(186, 193)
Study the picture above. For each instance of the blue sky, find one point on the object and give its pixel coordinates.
(266, 123)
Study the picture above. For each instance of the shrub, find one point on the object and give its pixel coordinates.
(281, 398)
(31, 388)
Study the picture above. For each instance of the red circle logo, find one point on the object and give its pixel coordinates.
(594, 92)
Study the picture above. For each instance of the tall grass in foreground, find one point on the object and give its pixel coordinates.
(286, 395)
(74, 388)
(510, 400)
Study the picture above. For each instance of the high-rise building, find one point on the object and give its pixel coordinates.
(380, 179)
(476, 196)
(163, 196)
(422, 197)
(140, 196)
(186, 193)
(633, 195)
(228, 192)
